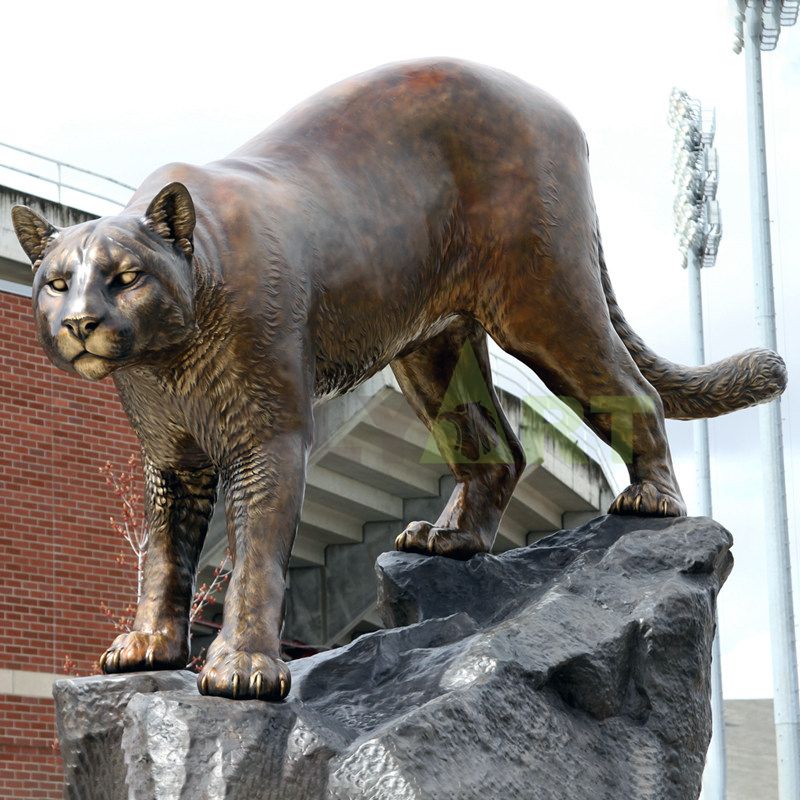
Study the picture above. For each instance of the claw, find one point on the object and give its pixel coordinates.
(400, 541)
(150, 658)
(235, 685)
(204, 684)
(637, 503)
(663, 508)
(102, 661)
(284, 689)
(256, 683)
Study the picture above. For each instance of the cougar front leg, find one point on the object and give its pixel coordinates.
(264, 494)
(178, 506)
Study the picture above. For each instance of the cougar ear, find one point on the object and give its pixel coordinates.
(171, 216)
(34, 233)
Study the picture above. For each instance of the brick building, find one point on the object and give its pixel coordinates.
(370, 472)
(59, 557)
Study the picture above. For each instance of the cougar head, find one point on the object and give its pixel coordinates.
(116, 291)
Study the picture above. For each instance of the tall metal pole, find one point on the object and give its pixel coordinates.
(702, 460)
(698, 227)
(786, 693)
(715, 776)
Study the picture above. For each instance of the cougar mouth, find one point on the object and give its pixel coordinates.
(113, 347)
(91, 366)
(90, 354)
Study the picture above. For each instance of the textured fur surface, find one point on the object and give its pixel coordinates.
(396, 218)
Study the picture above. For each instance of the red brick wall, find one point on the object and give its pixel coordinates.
(29, 763)
(58, 554)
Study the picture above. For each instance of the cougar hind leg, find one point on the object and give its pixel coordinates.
(574, 348)
(448, 383)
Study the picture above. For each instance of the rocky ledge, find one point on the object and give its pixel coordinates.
(577, 667)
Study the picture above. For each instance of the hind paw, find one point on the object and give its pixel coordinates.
(647, 500)
(430, 540)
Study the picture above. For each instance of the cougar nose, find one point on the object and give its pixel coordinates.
(80, 326)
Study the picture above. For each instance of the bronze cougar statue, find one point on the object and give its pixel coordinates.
(394, 218)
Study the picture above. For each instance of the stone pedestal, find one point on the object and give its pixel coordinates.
(575, 668)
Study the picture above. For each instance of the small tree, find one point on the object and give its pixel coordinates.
(205, 597)
(131, 525)
(132, 528)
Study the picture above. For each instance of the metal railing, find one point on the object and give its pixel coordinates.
(57, 180)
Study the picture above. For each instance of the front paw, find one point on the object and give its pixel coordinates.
(137, 650)
(243, 676)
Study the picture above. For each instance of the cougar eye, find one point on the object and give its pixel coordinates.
(58, 285)
(127, 278)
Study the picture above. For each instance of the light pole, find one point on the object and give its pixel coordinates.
(698, 229)
(758, 25)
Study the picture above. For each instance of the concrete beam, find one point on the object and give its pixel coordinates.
(530, 506)
(511, 534)
(306, 553)
(335, 419)
(326, 525)
(351, 496)
(380, 467)
(574, 519)
(60, 215)
(558, 485)
(393, 427)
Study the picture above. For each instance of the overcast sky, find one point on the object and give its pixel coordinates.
(123, 88)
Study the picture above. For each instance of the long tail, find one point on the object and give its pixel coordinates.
(745, 379)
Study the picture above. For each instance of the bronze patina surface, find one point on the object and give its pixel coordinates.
(394, 218)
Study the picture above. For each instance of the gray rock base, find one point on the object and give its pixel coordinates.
(576, 668)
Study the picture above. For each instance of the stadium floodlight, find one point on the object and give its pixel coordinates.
(757, 26)
(775, 14)
(712, 225)
(698, 229)
(711, 172)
